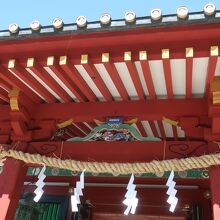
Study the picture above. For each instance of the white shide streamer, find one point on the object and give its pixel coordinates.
(172, 199)
(40, 184)
(131, 201)
(75, 199)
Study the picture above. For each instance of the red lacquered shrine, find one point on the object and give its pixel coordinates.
(117, 91)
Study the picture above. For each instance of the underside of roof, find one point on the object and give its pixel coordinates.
(146, 62)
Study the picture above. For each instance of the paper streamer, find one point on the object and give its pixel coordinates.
(40, 184)
(172, 199)
(75, 199)
(130, 197)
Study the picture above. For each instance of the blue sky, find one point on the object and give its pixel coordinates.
(24, 11)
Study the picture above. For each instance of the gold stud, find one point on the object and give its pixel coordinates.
(30, 62)
(84, 58)
(50, 61)
(127, 56)
(63, 60)
(189, 52)
(11, 63)
(165, 53)
(214, 51)
(143, 55)
(105, 57)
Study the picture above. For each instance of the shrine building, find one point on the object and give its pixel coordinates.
(111, 119)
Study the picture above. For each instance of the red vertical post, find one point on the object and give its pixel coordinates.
(11, 184)
(215, 191)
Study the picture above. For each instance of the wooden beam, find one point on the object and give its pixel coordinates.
(137, 151)
(175, 37)
(144, 110)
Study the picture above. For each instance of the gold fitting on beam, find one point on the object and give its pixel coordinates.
(84, 58)
(216, 97)
(127, 56)
(215, 84)
(30, 62)
(11, 63)
(132, 121)
(50, 61)
(170, 121)
(165, 53)
(13, 95)
(65, 123)
(14, 104)
(63, 60)
(143, 55)
(189, 52)
(214, 51)
(105, 57)
(98, 122)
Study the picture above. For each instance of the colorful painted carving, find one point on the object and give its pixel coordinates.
(114, 130)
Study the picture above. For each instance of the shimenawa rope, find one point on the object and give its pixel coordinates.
(155, 166)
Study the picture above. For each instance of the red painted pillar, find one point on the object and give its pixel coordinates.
(215, 191)
(11, 184)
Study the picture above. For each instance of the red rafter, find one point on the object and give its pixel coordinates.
(4, 95)
(153, 128)
(16, 83)
(211, 72)
(93, 73)
(141, 129)
(161, 128)
(5, 85)
(189, 69)
(148, 79)
(25, 101)
(71, 86)
(92, 124)
(70, 70)
(175, 134)
(83, 127)
(135, 78)
(168, 79)
(113, 73)
(31, 81)
(44, 76)
(76, 131)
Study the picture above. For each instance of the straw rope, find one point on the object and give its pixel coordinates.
(155, 166)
